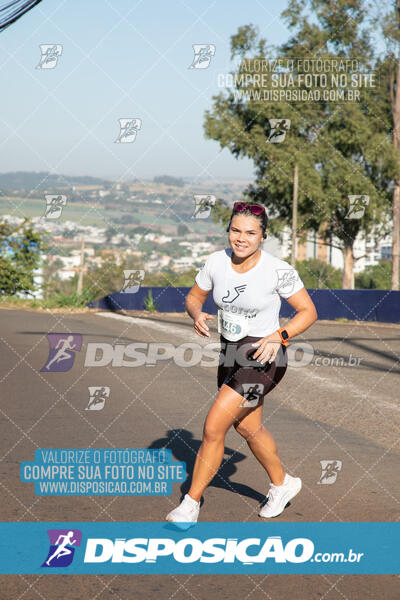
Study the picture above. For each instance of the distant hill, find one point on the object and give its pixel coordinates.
(28, 180)
(168, 180)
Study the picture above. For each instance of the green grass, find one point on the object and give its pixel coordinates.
(79, 212)
(91, 213)
(149, 302)
(56, 301)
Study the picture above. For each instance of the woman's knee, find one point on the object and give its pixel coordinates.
(213, 433)
(247, 432)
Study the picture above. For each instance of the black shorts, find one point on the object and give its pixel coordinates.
(238, 370)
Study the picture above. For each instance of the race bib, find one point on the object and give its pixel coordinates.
(233, 327)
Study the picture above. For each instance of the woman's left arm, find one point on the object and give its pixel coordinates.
(305, 316)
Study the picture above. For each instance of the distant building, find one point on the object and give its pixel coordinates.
(165, 260)
(38, 283)
(369, 250)
(182, 264)
(163, 239)
(116, 254)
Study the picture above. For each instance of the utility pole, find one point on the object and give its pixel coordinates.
(81, 267)
(294, 215)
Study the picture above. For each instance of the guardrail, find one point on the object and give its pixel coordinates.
(358, 305)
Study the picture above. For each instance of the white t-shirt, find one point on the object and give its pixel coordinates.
(256, 294)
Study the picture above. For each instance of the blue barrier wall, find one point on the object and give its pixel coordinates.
(358, 305)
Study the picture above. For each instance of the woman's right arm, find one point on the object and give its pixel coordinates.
(194, 304)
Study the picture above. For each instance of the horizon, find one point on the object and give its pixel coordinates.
(139, 178)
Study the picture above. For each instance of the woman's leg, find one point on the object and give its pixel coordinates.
(225, 411)
(261, 443)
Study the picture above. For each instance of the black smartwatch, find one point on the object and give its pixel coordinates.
(284, 336)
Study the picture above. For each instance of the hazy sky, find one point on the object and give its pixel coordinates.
(121, 59)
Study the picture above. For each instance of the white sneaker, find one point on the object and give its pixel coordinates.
(185, 514)
(279, 496)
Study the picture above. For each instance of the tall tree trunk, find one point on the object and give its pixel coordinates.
(348, 272)
(395, 98)
(294, 215)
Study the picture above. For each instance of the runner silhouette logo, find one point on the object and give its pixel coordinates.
(62, 547)
(62, 351)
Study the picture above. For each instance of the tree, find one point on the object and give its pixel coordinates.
(168, 180)
(340, 150)
(20, 251)
(376, 277)
(99, 281)
(50, 276)
(220, 212)
(182, 230)
(110, 232)
(317, 274)
(389, 21)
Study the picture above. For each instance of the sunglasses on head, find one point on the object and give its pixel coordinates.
(256, 209)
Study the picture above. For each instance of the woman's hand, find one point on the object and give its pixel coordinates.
(200, 326)
(267, 348)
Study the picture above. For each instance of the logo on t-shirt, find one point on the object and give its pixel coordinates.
(286, 280)
(231, 296)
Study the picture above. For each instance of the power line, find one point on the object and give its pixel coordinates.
(12, 11)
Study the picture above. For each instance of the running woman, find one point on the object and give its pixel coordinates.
(248, 284)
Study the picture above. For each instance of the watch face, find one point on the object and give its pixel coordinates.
(284, 334)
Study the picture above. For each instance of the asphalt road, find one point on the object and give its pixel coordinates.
(339, 401)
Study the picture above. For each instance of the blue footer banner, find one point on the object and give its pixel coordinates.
(219, 548)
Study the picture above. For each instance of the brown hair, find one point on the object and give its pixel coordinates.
(262, 218)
